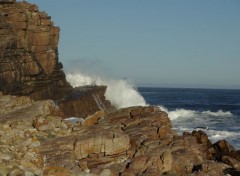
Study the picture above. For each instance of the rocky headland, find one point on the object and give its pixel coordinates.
(38, 138)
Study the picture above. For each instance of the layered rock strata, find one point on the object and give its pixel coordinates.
(29, 53)
(29, 62)
(84, 101)
(128, 142)
(35, 140)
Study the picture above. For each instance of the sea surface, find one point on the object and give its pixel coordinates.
(215, 111)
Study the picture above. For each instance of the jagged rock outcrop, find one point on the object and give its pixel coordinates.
(29, 62)
(128, 142)
(84, 101)
(29, 53)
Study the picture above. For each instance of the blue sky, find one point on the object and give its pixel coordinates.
(165, 43)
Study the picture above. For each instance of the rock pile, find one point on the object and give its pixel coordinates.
(35, 140)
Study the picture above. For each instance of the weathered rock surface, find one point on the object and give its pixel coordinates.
(29, 62)
(84, 101)
(29, 53)
(35, 140)
(7, 1)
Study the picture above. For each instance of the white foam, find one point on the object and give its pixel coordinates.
(219, 113)
(215, 135)
(185, 113)
(121, 93)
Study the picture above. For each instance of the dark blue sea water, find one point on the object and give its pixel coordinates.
(215, 109)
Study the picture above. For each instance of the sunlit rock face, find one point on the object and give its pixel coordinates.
(29, 62)
(35, 140)
(29, 53)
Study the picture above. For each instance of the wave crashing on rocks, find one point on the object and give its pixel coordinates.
(121, 93)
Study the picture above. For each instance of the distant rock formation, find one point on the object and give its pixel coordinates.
(29, 53)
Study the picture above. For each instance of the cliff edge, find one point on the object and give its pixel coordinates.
(29, 62)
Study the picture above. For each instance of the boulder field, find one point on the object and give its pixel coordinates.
(36, 140)
(37, 137)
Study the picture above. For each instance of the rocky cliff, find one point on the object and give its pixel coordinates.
(35, 140)
(29, 53)
(29, 62)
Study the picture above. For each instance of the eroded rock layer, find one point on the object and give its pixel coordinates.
(84, 101)
(133, 141)
(29, 53)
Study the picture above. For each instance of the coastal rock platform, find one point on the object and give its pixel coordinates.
(35, 140)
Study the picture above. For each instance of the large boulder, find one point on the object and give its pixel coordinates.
(84, 101)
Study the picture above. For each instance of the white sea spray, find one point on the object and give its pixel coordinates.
(120, 92)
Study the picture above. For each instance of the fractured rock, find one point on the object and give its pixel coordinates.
(29, 53)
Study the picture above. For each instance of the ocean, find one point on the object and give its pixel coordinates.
(215, 111)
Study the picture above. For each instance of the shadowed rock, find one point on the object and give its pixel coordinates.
(84, 101)
(29, 53)
(29, 62)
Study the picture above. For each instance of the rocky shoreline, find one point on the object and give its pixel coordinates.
(37, 137)
(36, 140)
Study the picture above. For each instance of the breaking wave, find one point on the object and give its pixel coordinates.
(184, 113)
(218, 113)
(121, 93)
(216, 135)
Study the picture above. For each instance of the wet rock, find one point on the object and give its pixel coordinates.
(84, 101)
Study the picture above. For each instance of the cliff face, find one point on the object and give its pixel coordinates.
(28, 53)
(29, 62)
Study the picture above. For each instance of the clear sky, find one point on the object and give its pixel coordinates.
(165, 43)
